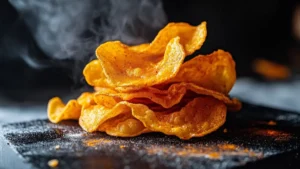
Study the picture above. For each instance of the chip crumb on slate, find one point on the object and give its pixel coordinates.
(57, 147)
(272, 123)
(53, 163)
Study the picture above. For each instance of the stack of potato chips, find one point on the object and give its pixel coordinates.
(149, 87)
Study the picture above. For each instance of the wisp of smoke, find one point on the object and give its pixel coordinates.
(72, 29)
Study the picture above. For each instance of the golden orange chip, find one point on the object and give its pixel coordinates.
(94, 116)
(191, 37)
(94, 75)
(168, 98)
(199, 117)
(112, 117)
(86, 99)
(215, 71)
(140, 48)
(271, 70)
(122, 68)
(162, 58)
(124, 125)
(58, 111)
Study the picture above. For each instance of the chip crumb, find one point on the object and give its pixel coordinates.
(228, 146)
(53, 163)
(225, 131)
(272, 123)
(214, 155)
(57, 147)
(95, 142)
(122, 146)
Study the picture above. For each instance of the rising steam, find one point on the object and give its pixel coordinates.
(72, 29)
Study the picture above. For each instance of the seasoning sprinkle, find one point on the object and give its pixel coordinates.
(57, 147)
(53, 163)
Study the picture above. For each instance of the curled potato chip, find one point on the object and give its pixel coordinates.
(215, 71)
(106, 101)
(122, 68)
(140, 48)
(94, 116)
(168, 98)
(191, 37)
(58, 111)
(86, 99)
(94, 75)
(120, 124)
(124, 125)
(199, 117)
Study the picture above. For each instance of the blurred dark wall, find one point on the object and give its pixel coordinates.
(248, 29)
(15, 74)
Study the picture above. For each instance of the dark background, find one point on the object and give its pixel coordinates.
(248, 29)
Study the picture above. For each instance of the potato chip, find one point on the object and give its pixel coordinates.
(191, 37)
(122, 68)
(86, 99)
(140, 48)
(94, 116)
(103, 74)
(106, 101)
(58, 111)
(199, 117)
(124, 125)
(168, 98)
(94, 75)
(215, 71)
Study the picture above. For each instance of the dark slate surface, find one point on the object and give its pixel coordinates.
(248, 143)
(277, 94)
